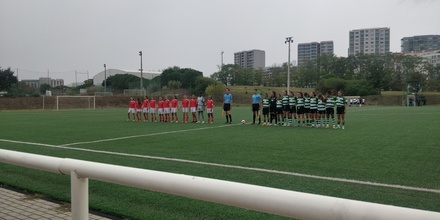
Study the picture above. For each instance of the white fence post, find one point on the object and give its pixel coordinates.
(80, 196)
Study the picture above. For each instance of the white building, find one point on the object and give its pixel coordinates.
(369, 41)
(36, 83)
(99, 78)
(432, 56)
(250, 58)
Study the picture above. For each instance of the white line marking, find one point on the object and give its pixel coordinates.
(237, 167)
(146, 135)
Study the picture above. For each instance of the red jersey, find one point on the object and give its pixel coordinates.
(174, 103)
(152, 103)
(185, 103)
(160, 104)
(132, 104)
(193, 102)
(166, 103)
(145, 104)
(139, 105)
(210, 103)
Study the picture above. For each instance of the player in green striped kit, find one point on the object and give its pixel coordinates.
(279, 110)
(313, 108)
(300, 108)
(341, 107)
(307, 108)
(330, 109)
(321, 110)
(265, 103)
(292, 108)
(285, 101)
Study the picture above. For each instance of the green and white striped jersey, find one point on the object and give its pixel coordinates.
(313, 103)
(292, 101)
(330, 102)
(307, 102)
(285, 100)
(265, 103)
(299, 102)
(340, 101)
(279, 103)
(321, 105)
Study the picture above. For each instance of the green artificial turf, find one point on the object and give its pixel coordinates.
(387, 145)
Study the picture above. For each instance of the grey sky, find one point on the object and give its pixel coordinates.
(64, 36)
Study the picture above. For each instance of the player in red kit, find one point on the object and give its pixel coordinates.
(185, 109)
(193, 106)
(139, 110)
(210, 109)
(174, 104)
(152, 109)
(145, 106)
(131, 109)
(166, 109)
(160, 109)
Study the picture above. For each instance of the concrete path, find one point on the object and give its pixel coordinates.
(19, 206)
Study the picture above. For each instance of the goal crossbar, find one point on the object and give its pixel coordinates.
(91, 105)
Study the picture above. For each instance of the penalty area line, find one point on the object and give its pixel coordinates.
(145, 135)
(334, 179)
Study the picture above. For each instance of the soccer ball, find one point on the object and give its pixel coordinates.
(243, 121)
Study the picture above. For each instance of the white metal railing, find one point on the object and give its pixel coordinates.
(264, 199)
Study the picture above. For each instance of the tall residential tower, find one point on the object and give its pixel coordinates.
(250, 58)
(420, 43)
(369, 41)
(310, 51)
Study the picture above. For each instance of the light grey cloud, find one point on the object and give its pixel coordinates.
(64, 36)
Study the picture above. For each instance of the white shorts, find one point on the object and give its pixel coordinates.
(152, 110)
(160, 111)
(209, 110)
(166, 110)
(185, 109)
(193, 109)
(145, 110)
(131, 110)
(138, 110)
(200, 108)
(173, 110)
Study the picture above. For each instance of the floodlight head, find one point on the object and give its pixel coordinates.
(140, 53)
(104, 65)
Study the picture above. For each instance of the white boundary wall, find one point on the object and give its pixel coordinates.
(270, 200)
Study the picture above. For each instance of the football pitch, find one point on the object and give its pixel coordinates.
(387, 155)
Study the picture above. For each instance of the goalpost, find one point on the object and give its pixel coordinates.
(76, 102)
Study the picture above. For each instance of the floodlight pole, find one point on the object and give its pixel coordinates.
(288, 40)
(221, 67)
(142, 87)
(105, 78)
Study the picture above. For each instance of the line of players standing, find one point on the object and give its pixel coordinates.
(304, 109)
(167, 109)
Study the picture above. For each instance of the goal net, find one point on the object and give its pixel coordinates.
(75, 102)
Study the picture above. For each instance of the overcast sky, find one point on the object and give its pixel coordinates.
(82, 35)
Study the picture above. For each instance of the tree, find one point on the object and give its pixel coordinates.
(7, 79)
(44, 87)
(186, 76)
(202, 83)
(21, 89)
(227, 74)
(216, 91)
(125, 81)
(174, 84)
